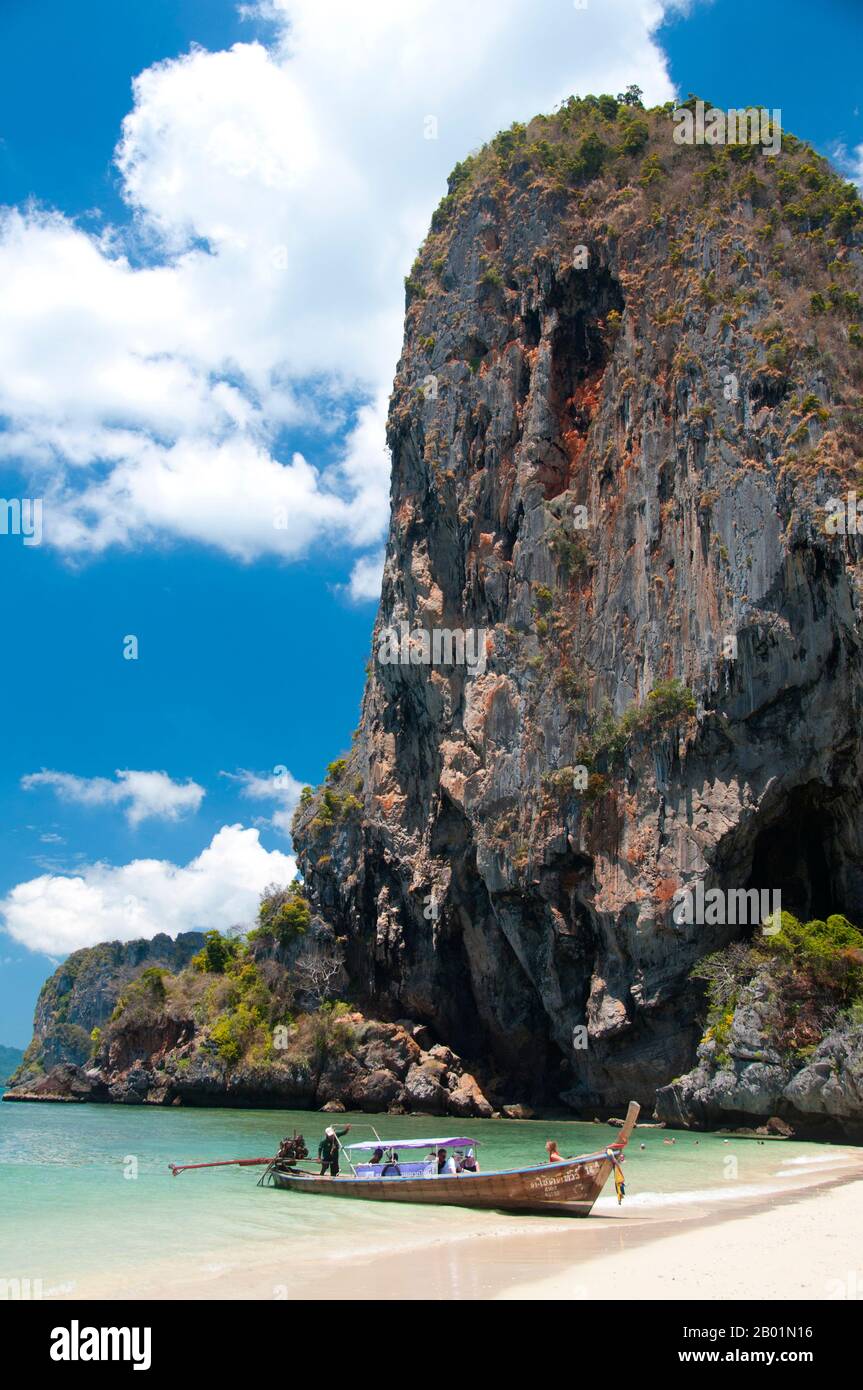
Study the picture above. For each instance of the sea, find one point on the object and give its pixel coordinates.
(88, 1201)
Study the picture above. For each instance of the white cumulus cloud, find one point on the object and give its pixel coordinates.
(145, 795)
(278, 786)
(366, 576)
(150, 375)
(850, 162)
(58, 913)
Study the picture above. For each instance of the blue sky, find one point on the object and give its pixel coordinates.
(162, 418)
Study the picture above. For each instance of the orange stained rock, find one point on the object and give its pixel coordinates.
(587, 393)
(665, 890)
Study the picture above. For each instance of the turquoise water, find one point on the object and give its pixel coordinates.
(69, 1212)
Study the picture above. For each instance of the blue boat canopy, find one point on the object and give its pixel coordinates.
(414, 1144)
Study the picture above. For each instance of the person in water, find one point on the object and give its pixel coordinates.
(328, 1150)
(551, 1150)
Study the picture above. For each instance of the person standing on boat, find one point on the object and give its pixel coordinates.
(328, 1150)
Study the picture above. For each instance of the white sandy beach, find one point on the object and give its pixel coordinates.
(808, 1246)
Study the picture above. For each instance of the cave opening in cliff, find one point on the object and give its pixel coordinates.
(792, 854)
(580, 348)
(583, 299)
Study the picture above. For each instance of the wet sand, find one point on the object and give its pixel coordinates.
(786, 1244)
(799, 1237)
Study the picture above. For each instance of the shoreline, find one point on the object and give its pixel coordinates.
(824, 1132)
(752, 1247)
(793, 1238)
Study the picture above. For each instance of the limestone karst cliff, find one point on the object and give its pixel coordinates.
(83, 991)
(627, 401)
(617, 656)
(213, 1020)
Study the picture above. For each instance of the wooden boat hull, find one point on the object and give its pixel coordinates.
(570, 1188)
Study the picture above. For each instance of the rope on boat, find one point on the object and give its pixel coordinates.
(617, 1169)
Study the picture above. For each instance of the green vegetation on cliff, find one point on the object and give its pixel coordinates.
(614, 162)
(217, 953)
(591, 136)
(284, 914)
(812, 979)
(334, 805)
(77, 1000)
(226, 999)
(240, 999)
(667, 703)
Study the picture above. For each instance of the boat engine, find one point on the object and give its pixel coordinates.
(293, 1149)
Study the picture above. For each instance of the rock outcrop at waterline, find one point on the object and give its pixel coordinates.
(784, 1036)
(819, 1098)
(207, 1021)
(381, 1068)
(629, 389)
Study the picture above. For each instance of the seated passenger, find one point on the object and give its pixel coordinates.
(468, 1164)
(391, 1168)
(377, 1156)
(445, 1166)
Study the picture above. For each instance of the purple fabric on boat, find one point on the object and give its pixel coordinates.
(413, 1144)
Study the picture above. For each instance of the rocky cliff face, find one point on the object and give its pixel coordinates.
(819, 1097)
(618, 656)
(629, 389)
(784, 1035)
(83, 991)
(234, 1029)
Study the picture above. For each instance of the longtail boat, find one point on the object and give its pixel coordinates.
(448, 1176)
(569, 1186)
